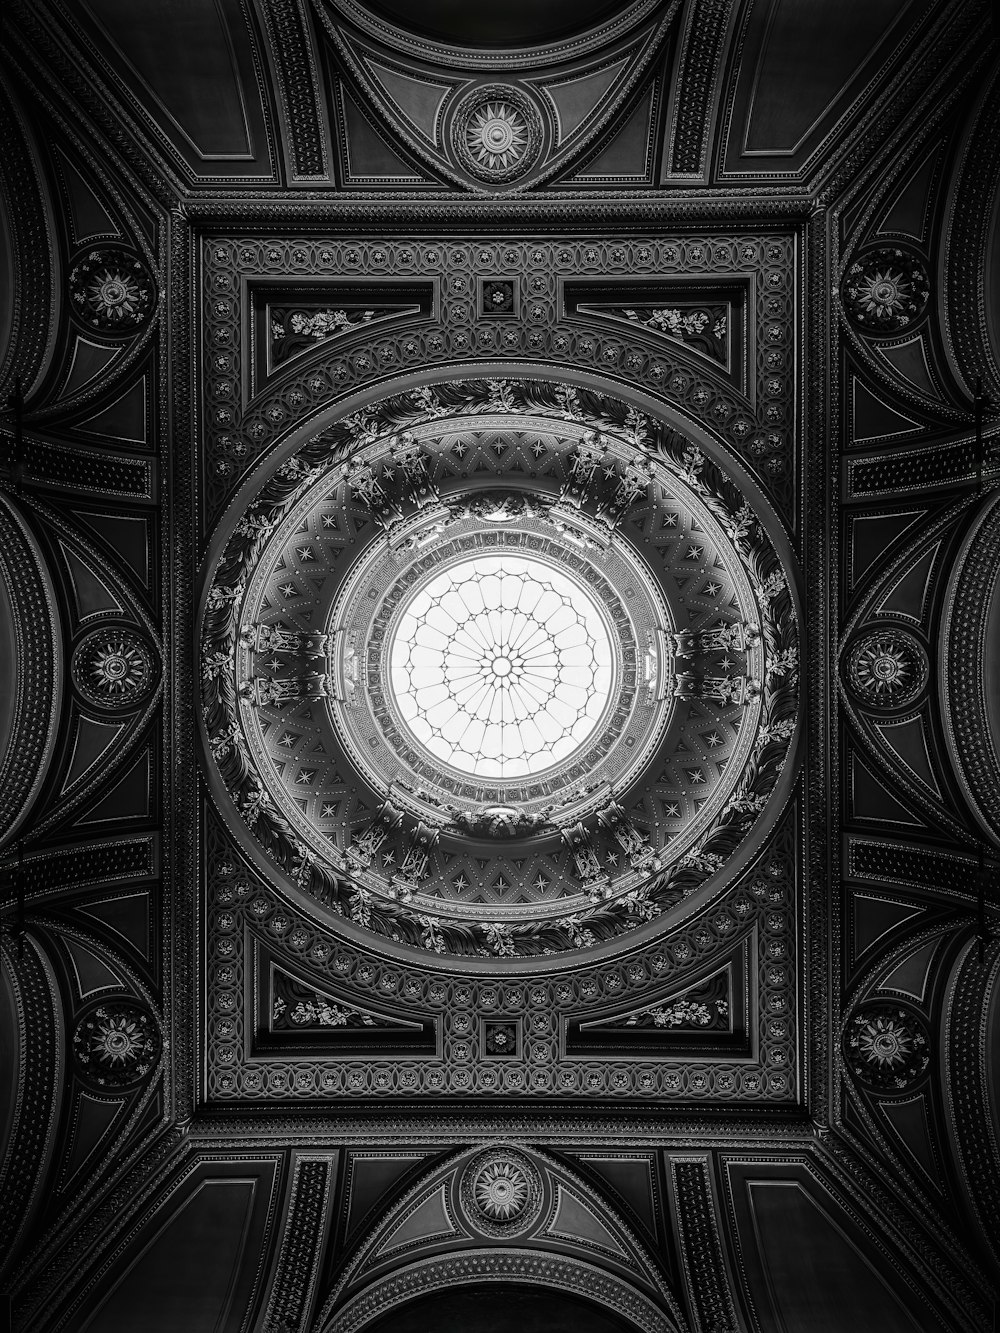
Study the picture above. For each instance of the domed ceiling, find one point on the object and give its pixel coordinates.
(498, 586)
(519, 24)
(510, 669)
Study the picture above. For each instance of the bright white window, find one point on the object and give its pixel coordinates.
(501, 666)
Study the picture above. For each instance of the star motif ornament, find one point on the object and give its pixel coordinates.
(116, 1044)
(113, 668)
(886, 1047)
(884, 1042)
(111, 289)
(887, 669)
(885, 290)
(497, 133)
(497, 136)
(883, 294)
(501, 1190)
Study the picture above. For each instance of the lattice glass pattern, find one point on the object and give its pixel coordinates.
(501, 666)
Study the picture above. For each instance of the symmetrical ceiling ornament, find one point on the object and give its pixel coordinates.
(886, 1046)
(887, 669)
(444, 104)
(500, 665)
(113, 668)
(111, 290)
(501, 1214)
(885, 291)
(116, 1044)
(497, 132)
(568, 298)
(643, 963)
(566, 628)
(501, 1192)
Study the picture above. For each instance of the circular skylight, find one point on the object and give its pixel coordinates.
(501, 666)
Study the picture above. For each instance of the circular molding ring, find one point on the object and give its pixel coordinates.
(885, 291)
(886, 1046)
(496, 133)
(35, 685)
(113, 668)
(886, 668)
(116, 1044)
(500, 1264)
(743, 668)
(111, 290)
(501, 1193)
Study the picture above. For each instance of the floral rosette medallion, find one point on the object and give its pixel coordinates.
(887, 669)
(885, 291)
(116, 1044)
(113, 668)
(886, 1047)
(111, 290)
(501, 1193)
(497, 133)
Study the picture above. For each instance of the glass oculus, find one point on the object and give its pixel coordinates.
(501, 666)
(467, 701)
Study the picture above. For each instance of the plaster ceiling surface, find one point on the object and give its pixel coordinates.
(701, 666)
(498, 595)
(516, 26)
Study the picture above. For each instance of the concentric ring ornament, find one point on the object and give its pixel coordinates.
(411, 652)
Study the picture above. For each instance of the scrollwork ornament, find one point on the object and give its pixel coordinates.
(886, 1047)
(497, 133)
(111, 290)
(501, 1193)
(113, 668)
(116, 1044)
(887, 669)
(885, 291)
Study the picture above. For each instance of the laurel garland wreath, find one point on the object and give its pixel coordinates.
(605, 920)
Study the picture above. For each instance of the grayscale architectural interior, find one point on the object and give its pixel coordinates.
(499, 666)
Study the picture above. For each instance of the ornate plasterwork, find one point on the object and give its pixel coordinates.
(501, 1192)
(36, 687)
(465, 776)
(498, 135)
(886, 1047)
(477, 1216)
(245, 912)
(758, 425)
(236, 460)
(497, 132)
(969, 663)
(116, 1044)
(703, 327)
(111, 290)
(508, 1266)
(748, 408)
(756, 701)
(885, 291)
(887, 669)
(113, 668)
